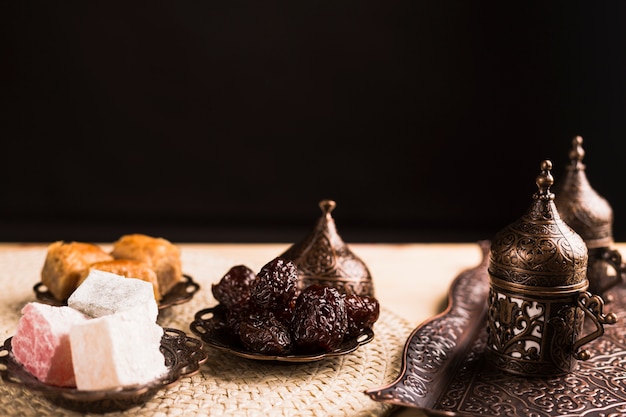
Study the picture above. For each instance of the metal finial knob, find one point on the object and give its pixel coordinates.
(322, 257)
(580, 206)
(544, 181)
(327, 206)
(577, 153)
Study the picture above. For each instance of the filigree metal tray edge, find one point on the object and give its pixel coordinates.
(429, 354)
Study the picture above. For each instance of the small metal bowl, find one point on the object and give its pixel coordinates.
(202, 327)
(183, 357)
(181, 293)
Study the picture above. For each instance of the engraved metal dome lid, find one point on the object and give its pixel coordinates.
(322, 257)
(580, 206)
(539, 249)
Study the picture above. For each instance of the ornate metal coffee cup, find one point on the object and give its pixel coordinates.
(591, 216)
(538, 299)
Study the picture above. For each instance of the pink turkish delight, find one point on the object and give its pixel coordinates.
(42, 344)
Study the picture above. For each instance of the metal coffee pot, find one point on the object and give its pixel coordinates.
(591, 216)
(538, 298)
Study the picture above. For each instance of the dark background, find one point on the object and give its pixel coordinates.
(229, 121)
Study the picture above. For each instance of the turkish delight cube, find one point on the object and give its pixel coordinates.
(103, 293)
(116, 350)
(42, 344)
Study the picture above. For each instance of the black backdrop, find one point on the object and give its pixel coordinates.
(230, 121)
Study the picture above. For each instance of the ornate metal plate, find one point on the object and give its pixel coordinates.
(183, 357)
(444, 371)
(179, 294)
(202, 328)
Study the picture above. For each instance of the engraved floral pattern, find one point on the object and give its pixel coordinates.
(463, 381)
(516, 327)
(539, 249)
(431, 346)
(324, 258)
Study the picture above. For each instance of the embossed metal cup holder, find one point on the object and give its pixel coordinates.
(605, 271)
(538, 298)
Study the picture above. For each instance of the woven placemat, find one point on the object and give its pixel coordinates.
(227, 385)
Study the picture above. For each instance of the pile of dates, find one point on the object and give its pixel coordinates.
(267, 313)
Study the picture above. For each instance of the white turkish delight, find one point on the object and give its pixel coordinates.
(104, 293)
(116, 350)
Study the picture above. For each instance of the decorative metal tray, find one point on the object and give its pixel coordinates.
(179, 294)
(201, 327)
(183, 357)
(444, 372)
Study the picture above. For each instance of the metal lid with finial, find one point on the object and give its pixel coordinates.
(580, 206)
(322, 257)
(540, 249)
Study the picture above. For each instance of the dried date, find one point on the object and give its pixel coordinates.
(275, 285)
(362, 311)
(234, 287)
(267, 313)
(264, 333)
(320, 319)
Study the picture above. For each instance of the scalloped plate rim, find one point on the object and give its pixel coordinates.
(351, 345)
(85, 397)
(188, 282)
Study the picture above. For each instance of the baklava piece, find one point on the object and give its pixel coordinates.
(66, 263)
(158, 253)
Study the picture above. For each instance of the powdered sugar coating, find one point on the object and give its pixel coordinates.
(103, 293)
(116, 350)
